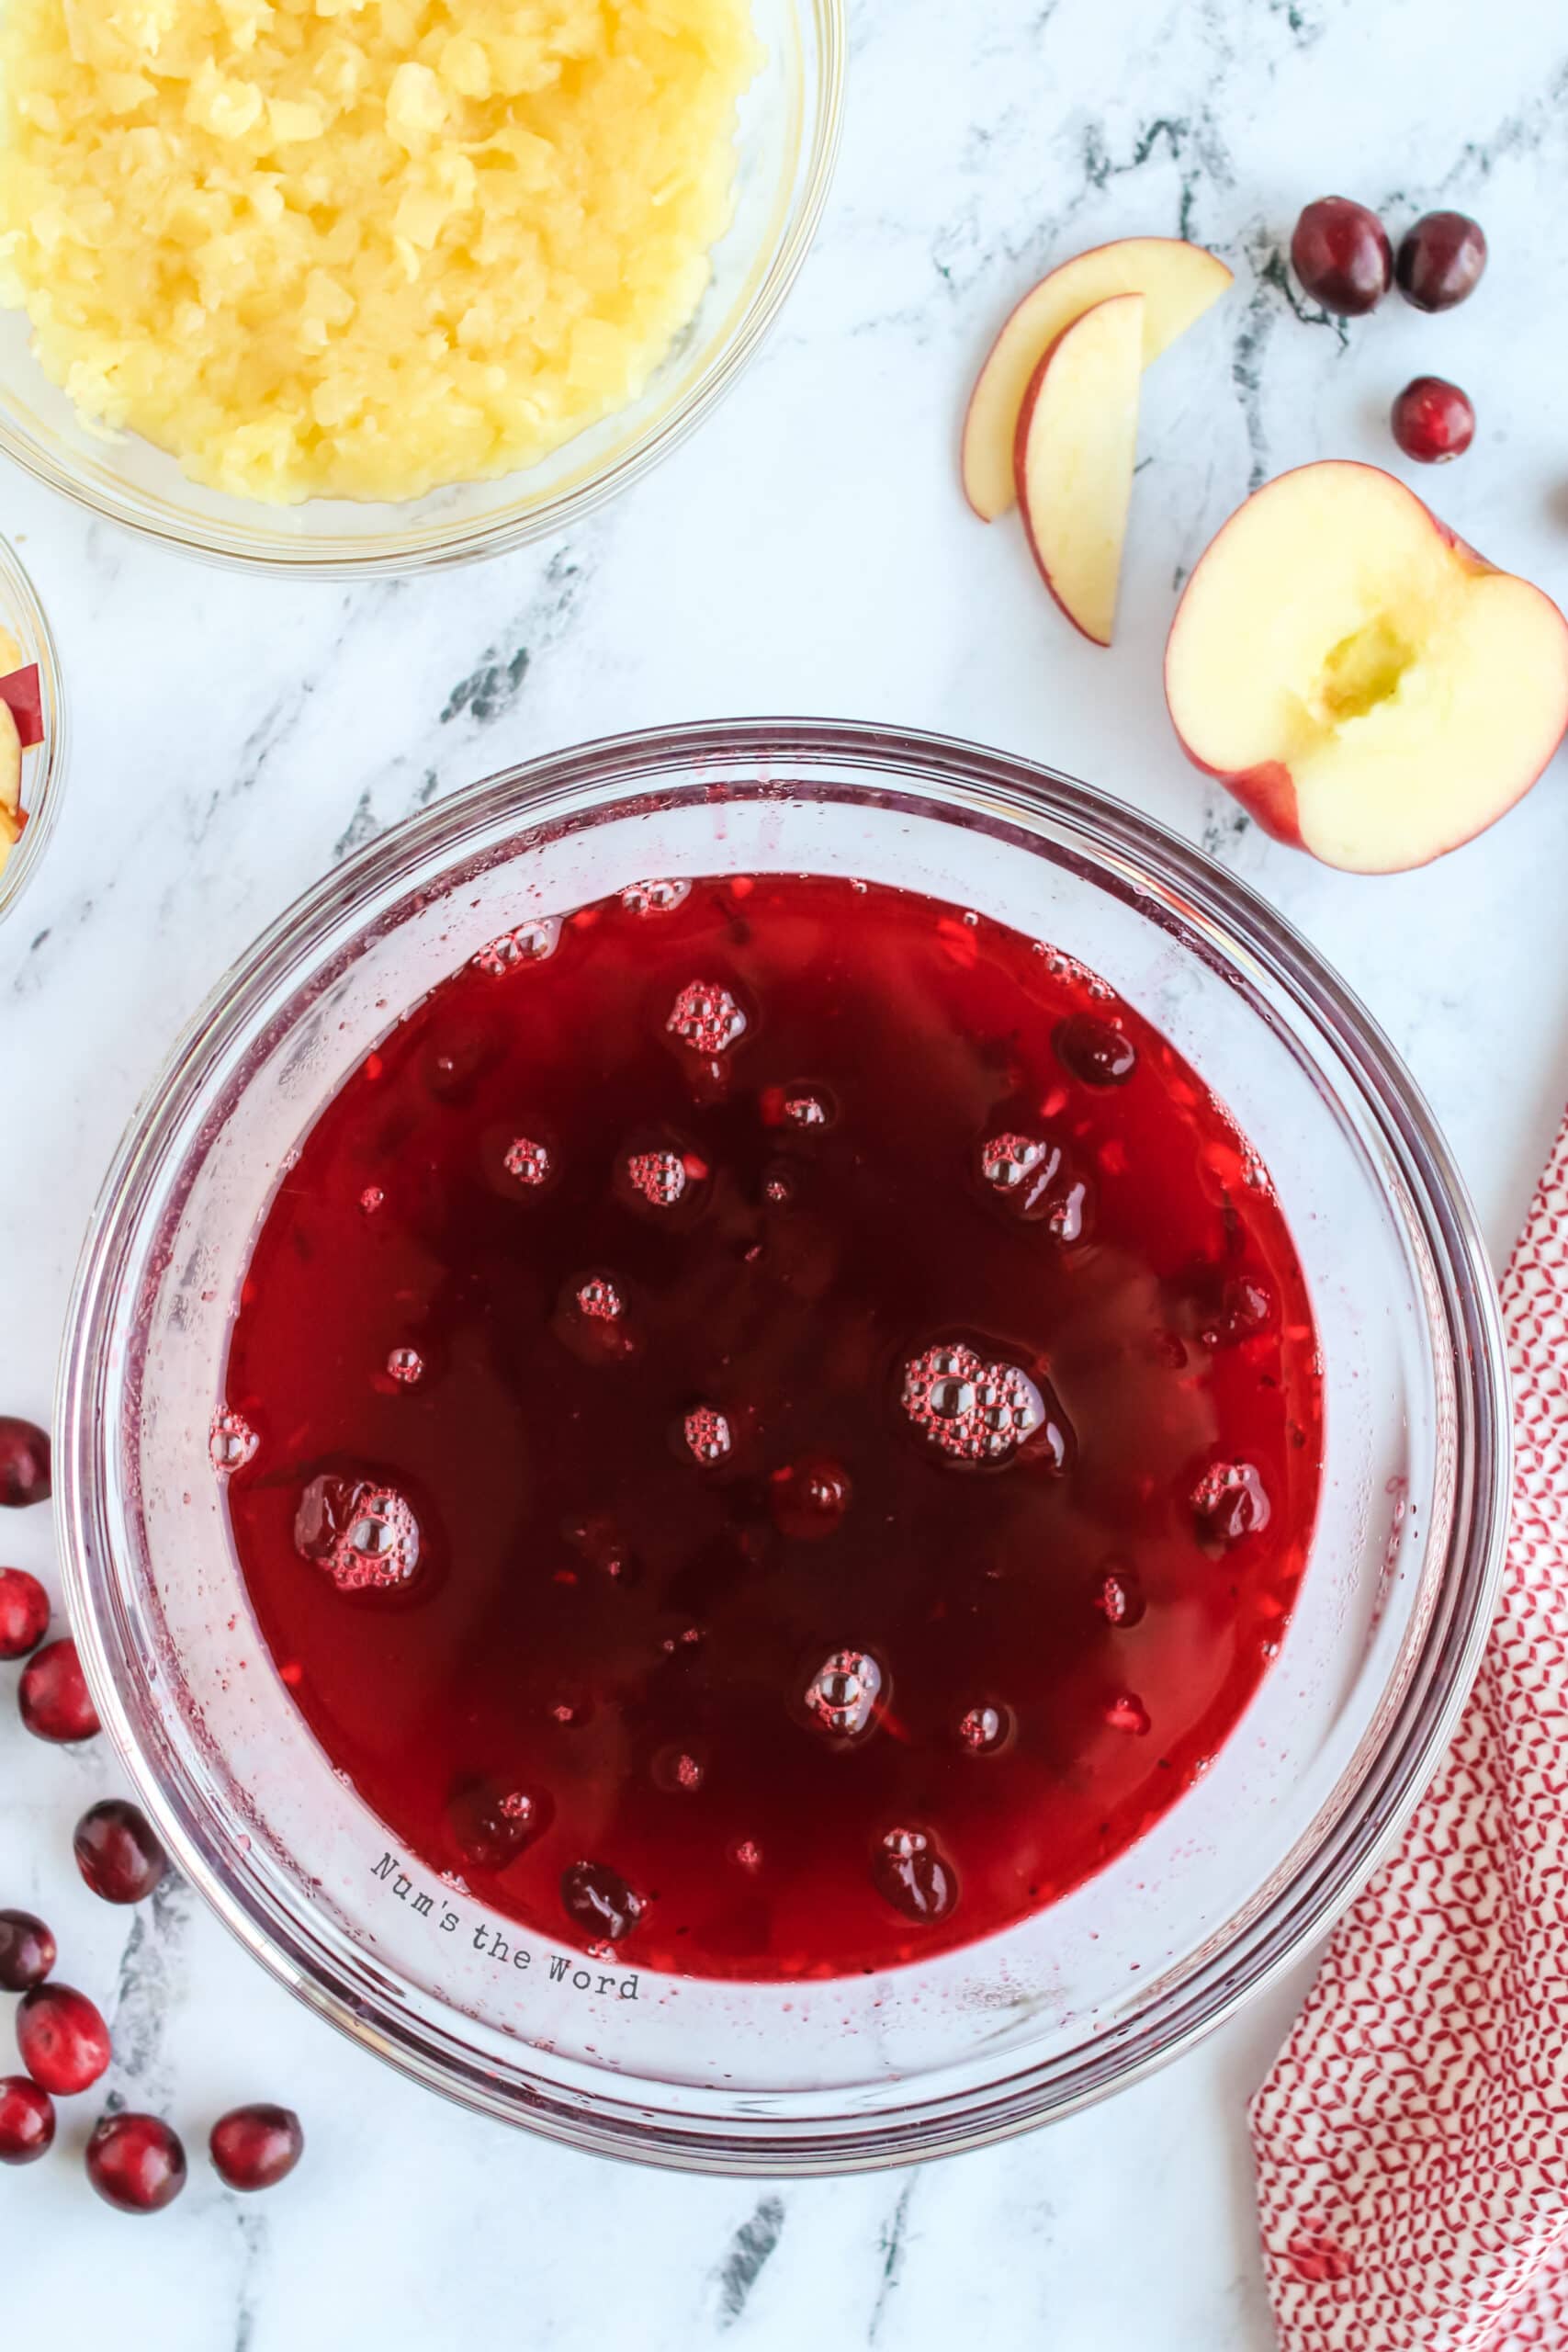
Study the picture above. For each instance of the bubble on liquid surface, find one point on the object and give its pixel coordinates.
(678, 1772)
(706, 1017)
(660, 1176)
(749, 1854)
(1119, 1596)
(911, 1876)
(362, 1532)
(371, 1199)
(406, 1366)
(598, 1899)
(974, 1411)
(798, 1106)
(600, 1300)
(598, 1541)
(1067, 967)
(529, 1161)
(984, 1729)
(1229, 1502)
(841, 1696)
(1009, 1160)
(708, 1435)
(654, 898)
(531, 943)
(231, 1442)
(1035, 1180)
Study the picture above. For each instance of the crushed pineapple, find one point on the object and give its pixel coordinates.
(360, 248)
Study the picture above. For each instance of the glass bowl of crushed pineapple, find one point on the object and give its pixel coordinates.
(361, 285)
(32, 729)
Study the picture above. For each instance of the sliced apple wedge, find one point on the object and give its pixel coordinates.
(1073, 452)
(1177, 282)
(1370, 687)
(11, 817)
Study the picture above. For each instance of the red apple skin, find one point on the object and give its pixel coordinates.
(1267, 792)
(1269, 795)
(21, 689)
(1020, 441)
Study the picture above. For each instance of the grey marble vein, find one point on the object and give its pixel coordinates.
(751, 2250)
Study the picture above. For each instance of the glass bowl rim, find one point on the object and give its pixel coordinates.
(958, 780)
(240, 546)
(44, 794)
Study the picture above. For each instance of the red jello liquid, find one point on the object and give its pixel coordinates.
(773, 1430)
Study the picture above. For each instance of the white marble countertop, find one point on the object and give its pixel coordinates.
(806, 553)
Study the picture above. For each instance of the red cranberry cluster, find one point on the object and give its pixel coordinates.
(1341, 254)
(52, 1692)
(135, 2162)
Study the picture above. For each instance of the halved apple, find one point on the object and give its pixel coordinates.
(1076, 439)
(1370, 687)
(1177, 282)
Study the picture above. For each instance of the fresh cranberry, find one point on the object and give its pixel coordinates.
(1245, 1307)
(909, 1872)
(1341, 254)
(809, 1498)
(1229, 1503)
(1095, 1051)
(24, 1464)
(597, 1898)
(118, 1853)
(27, 1951)
(491, 1821)
(1433, 421)
(63, 2040)
(27, 2120)
(52, 1695)
(1441, 260)
(23, 1613)
(255, 2147)
(136, 2163)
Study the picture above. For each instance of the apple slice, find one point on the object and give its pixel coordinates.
(11, 816)
(1370, 687)
(1076, 439)
(22, 693)
(1177, 282)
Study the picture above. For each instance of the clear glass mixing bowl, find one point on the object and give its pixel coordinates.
(1226, 1890)
(788, 140)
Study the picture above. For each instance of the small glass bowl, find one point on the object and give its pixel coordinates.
(1256, 1857)
(787, 144)
(43, 767)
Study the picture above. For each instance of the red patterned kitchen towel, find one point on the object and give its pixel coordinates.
(1412, 2141)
